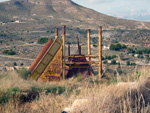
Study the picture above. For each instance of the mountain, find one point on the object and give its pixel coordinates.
(42, 14)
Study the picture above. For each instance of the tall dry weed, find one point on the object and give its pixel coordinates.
(130, 94)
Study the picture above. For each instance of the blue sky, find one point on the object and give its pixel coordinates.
(128, 9)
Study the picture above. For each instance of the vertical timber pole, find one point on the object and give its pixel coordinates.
(64, 32)
(69, 52)
(56, 33)
(89, 45)
(100, 52)
(79, 48)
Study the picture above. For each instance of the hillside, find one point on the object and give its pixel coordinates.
(23, 22)
(42, 14)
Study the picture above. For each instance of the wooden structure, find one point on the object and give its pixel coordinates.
(51, 64)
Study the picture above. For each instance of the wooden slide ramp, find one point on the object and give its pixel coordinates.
(47, 65)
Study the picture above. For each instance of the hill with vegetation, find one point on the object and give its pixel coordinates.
(43, 14)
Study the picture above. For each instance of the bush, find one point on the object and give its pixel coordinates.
(128, 63)
(94, 45)
(105, 62)
(103, 58)
(139, 52)
(124, 47)
(55, 89)
(108, 57)
(15, 64)
(140, 56)
(4, 98)
(113, 62)
(119, 71)
(116, 47)
(42, 40)
(9, 52)
(130, 50)
(133, 64)
(23, 73)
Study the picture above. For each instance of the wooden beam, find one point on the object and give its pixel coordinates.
(89, 44)
(100, 52)
(64, 32)
(56, 33)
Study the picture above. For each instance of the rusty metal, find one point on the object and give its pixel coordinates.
(46, 59)
(68, 52)
(56, 33)
(100, 52)
(40, 56)
(51, 60)
(78, 65)
(53, 70)
(80, 62)
(79, 47)
(94, 56)
(89, 44)
(63, 64)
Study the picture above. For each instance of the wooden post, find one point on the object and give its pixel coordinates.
(69, 52)
(56, 33)
(100, 52)
(89, 45)
(64, 32)
(79, 49)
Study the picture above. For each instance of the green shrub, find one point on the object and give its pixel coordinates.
(113, 62)
(23, 73)
(42, 40)
(55, 89)
(119, 71)
(94, 45)
(133, 64)
(105, 62)
(115, 47)
(128, 63)
(9, 52)
(4, 98)
(15, 64)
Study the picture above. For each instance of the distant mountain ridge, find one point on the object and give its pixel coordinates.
(39, 14)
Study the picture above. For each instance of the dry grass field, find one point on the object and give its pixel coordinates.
(129, 94)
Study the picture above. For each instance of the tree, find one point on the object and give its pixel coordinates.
(118, 47)
(124, 47)
(139, 52)
(112, 47)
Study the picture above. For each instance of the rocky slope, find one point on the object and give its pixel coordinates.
(40, 14)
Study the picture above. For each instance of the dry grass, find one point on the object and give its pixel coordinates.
(131, 96)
